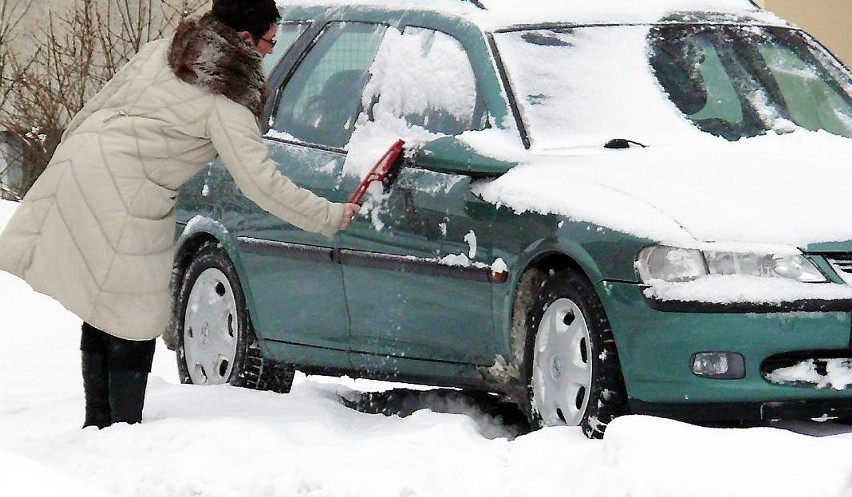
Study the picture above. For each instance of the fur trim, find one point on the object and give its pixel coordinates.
(213, 56)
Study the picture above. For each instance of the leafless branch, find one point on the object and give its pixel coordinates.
(74, 53)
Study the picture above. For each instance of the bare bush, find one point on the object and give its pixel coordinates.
(10, 17)
(73, 54)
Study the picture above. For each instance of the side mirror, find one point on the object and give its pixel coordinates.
(451, 155)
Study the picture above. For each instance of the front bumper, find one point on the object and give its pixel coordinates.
(746, 411)
(656, 348)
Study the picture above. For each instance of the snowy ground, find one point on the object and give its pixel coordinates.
(223, 441)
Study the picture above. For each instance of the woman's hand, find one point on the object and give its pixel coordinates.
(349, 213)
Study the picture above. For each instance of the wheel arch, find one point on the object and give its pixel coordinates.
(526, 293)
(197, 233)
(526, 284)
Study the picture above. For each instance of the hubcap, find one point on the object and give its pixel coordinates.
(562, 367)
(210, 329)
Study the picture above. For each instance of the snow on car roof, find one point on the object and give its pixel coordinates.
(497, 14)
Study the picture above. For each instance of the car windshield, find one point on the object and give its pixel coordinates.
(663, 82)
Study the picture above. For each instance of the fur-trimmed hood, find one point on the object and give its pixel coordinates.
(206, 53)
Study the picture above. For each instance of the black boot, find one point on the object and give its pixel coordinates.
(96, 387)
(127, 395)
(119, 376)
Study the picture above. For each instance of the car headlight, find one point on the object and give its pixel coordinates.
(661, 262)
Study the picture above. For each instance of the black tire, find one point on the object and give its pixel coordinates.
(233, 354)
(583, 372)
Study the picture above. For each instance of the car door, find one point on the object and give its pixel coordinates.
(416, 263)
(296, 284)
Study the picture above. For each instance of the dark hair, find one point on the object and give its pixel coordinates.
(254, 16)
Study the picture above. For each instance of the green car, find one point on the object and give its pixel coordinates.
(597, 212)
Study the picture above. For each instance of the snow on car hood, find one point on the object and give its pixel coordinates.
(791, 189)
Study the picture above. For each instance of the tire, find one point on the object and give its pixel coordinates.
(216, 343)
(572, 366)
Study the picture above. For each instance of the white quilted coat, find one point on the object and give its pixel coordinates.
(96, 230)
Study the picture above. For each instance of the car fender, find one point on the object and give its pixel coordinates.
(546, 253)
(556, 245)
(200, 229)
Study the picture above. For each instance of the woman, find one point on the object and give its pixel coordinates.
(96, 230)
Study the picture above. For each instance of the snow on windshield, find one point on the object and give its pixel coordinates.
(688, 186)
(596, 85)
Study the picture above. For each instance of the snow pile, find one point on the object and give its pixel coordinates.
(837, 374)
(223, 441)
(22, 476)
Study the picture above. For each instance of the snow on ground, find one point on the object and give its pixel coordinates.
(225, 441)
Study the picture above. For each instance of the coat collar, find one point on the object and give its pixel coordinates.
(208, 54)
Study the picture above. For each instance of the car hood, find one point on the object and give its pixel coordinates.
(791, 189)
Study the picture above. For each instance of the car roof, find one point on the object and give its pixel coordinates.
(498, 15)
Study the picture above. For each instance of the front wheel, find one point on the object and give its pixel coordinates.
(216, 342)
(572, 363)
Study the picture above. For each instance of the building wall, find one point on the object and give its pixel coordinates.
(830, 21)
(37, 12)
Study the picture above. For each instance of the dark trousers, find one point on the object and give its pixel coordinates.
(115, 374)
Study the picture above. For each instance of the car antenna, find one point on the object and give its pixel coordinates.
(621, 143)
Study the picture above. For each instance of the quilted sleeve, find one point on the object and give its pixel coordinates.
(236, 137)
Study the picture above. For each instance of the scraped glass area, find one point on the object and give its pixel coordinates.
(738, 81)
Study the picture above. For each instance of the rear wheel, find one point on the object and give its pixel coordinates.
(216, 342)
(572, 363)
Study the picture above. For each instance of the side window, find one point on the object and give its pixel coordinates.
(321, 100)
(287, 34)
(425, 78)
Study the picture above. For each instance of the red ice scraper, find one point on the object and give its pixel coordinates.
(385, 170)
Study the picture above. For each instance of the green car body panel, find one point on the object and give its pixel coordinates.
(377, 301)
